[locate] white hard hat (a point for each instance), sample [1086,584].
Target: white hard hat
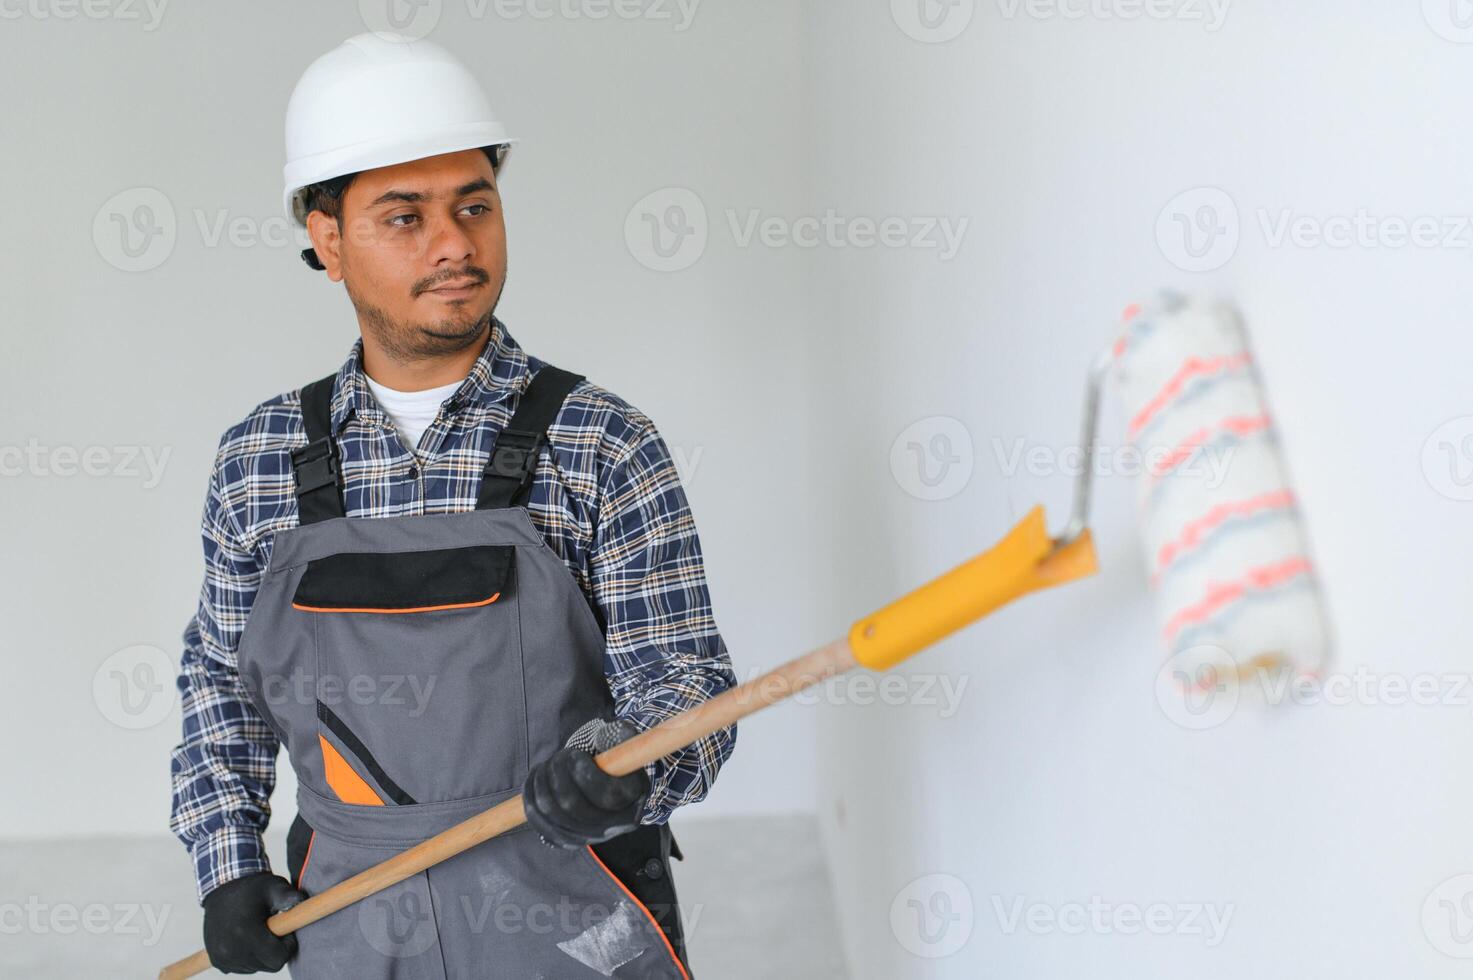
[376,100]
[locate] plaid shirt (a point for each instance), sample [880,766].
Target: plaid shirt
[612,508]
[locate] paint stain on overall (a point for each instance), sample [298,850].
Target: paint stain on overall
[610,944]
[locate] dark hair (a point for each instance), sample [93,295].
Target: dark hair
[327,196]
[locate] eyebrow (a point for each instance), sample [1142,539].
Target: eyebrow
[416,197]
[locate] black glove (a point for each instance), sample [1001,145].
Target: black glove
[236,936]
[571,802]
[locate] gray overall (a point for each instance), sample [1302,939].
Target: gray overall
[414,668]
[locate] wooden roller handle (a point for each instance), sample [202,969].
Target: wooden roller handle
[668,737]
[1024,561]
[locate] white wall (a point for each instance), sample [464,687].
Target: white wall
[1061,779]
[791,372]
[166,359]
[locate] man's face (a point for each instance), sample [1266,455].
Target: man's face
[422,252]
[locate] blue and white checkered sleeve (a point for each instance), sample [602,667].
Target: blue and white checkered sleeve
[663,652]
[224,770]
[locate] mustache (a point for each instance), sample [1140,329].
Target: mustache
[470,272]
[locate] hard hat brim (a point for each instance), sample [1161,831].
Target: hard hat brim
[341,161]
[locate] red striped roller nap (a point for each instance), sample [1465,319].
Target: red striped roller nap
[1227,551]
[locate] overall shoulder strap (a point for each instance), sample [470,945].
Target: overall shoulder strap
[315,465]
[507,480]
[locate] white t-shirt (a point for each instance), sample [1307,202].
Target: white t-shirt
[411,411]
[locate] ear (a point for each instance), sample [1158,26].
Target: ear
[327,242]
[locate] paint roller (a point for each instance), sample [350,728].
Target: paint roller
[1223,536]
[1229,564]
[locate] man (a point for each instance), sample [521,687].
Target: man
[446,574]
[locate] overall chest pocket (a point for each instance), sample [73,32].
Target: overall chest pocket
[419,677]
[405,582]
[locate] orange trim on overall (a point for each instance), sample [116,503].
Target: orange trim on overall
[414,609]
[306,859]
[647,913]
[344,779]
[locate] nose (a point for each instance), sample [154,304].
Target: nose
[448,242]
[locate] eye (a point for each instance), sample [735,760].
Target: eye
[476,209]
[403,220]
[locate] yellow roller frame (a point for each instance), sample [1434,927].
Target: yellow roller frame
[1025,561]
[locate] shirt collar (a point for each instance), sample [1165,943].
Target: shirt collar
[500,371]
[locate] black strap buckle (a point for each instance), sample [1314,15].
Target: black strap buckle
[515,455]
[315,465]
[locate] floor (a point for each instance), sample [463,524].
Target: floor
[754,895]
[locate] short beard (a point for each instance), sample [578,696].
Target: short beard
[407,342]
